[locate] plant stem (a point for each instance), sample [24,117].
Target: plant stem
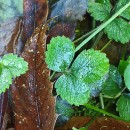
[101,100]
[102,26]
[85,35]
[95,116]
[98,39]
[106,45]
[93,27]
[92,120]
[102,111]
[52,75]
[118,95]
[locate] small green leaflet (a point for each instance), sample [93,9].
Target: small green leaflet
[122,66]
[112,86]
[83,128]
[126,13]
[90,66]
[118,29]
[60,53]
[127,76]
[5,80]
[99,11]
[16,65]
[123,106]
[11,66]
[64,108]
[72,89]
[96,87]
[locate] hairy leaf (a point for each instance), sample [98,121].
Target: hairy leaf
[118,29]
[64,108]
[126,13]
[72,89]
[16,65]
[127,76]
[99,11]
[90,65]
[97,86]
[60,53]
[112,86]
[122,66]
[123,106]
[65,111]
[11,66]
[5,80]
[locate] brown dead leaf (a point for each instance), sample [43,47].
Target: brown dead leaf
[60,29]
[101,123]
[35,13]
[34,105]
[41,11]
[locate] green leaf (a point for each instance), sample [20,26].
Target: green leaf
[16,65]
[1,65]
[5,80]
[96,87]
[11,66]
[90,65]
[126,13]
[112,86]
[99,11]
[119,30]
[127,76]
[123,106]
[64,108]
[72,89]
[83,128]
[60,53]
[122,66]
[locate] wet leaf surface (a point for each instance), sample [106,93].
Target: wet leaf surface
[32,92]
[101,123]
[123,107]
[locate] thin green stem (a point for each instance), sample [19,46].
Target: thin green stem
[93,27]
[118,95]
[102,111]
[101,100]
[106,45]
[52,75]
[95,116]
[102,26]
[92,120]
[98,39]
[85,35]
